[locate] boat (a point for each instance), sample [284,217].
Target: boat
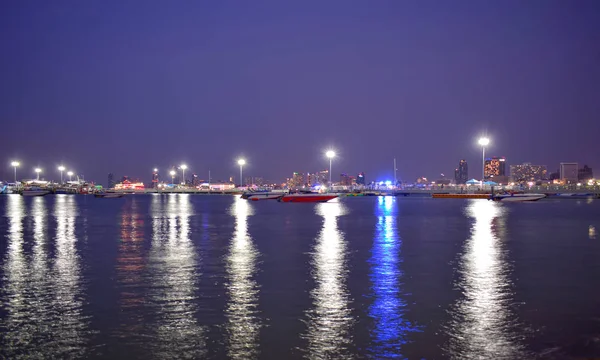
[517,197]
[109,195]
[576,195]
[307,197]
[34,191]
[263,196]
[263,193]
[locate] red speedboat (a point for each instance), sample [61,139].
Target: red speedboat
[310,197]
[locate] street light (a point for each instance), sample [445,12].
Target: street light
[172,176]
[15,164]
[330,154]
[38,171]
[241,163]
[155,170]
[61,169]
[483,142]
[183,167]
[70,173]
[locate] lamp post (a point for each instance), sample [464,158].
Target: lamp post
[70,174]
[483,142]
[61,169]
[330,154]
[38,171]
[241,163]
[15,164]
[183,167]
[172,176]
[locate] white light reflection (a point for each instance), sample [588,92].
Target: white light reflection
[483,322]
[70,323]
[15,335]
[330,320]
[173,279]
[242,321]
[391,329]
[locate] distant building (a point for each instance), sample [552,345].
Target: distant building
[196,181]
[461,173]
[111,180]
[527,172]
[569,172]
[495,166]
[296,181]
[323,177]
[154,179]
[585,173]
[345,180]
[554,176]
[361,179]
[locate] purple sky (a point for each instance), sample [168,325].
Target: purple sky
[124,86]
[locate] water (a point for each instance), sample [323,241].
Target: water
[216,277]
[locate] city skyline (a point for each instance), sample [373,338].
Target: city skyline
[205,84]
[155,174]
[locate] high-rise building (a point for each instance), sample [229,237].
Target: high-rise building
[569,172]
[345,180]
[495,166]
[461,173]
[585,173]
[196,180]
[361,179]
[154,179]
[296,181]
[527,172]
[111,181]
[323,177]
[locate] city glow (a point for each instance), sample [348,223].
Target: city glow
[330,154]
[484,141]
[242,162]
[15,164]
[61,168]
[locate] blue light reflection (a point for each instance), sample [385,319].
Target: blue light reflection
[388,308]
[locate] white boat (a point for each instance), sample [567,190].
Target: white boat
[517,197]
[35,192]
[264,196]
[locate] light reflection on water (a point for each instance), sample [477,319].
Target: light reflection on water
[15,328]
[70,325]
[173,280]
[45,317]
[330,320]
[483,322]
[130,269]
[243,322]
[388,308]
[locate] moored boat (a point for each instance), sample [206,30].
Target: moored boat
[310,197]
[263,196]
[33,191]
[517,197]
[109,195]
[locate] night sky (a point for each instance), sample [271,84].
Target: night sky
[126,86]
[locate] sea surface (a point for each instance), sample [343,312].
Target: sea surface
[217,277]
